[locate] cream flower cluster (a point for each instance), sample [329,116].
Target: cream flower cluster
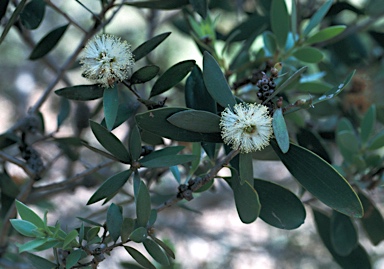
[248,127]
[106,59]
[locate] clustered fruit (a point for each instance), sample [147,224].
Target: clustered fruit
[267,87]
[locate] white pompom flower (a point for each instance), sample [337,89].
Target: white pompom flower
[247,128]
[106,59]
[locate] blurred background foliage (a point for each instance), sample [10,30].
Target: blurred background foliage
[346,130]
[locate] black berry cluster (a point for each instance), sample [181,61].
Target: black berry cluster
[267,87]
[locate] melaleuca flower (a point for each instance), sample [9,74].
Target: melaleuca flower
[106,59]
[247,127]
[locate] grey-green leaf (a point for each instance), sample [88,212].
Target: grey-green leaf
[144,74]
[134,143]
[33,14]
[110,187]
[156,252]
[279,206]
[159,4]
[114,221]
[377,141]
[321,179]
[343,234]
[48,42]
[196,121]
[139,235]
[39,262]
[14,17]
[81,92]
[140,258]
[280,21]
[216,83]
[280,130]
[28,214]
[368,124]
[149,45]
[325,34]
[24,227]
[172,76]
[143,205]
[167,160]
[110,142]
[317,17]
[308,54]
[110,105]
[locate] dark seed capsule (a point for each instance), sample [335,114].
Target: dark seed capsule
[272,84]
[265,87]
[264,81]
[259,94]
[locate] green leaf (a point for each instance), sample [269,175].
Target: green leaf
[216,83]
[280,21]
[110,142]
[357,259]
[140,258]
[325,34]
[149,45]
[280,130]
[156,252]
[65,108]
[377,141]
[39,262]
[134,143]
[24,227]
[312,141]
[155,121]
[247,28]
[31,245]
[27,214]
[71,236]
[279,206]
[81,92]
[294,20]
[114,221]
[144,74]
[372,220]
[110,105]
[343,234]
[321,179]
[314,87]
[160,4]
[143,205]
[172,76]
[124,112]
[270,42]
[167,160]
[246,168]
[48,42]
[139,235]
[167,249]
[246,199]
[110,187]
[200,6]
[89,221]
[348,140]
[73,258]
[92,233]
[196,121]
[317,17]
[308,54]
[12,20]
[368,124]
[33,14]
[152,217]
[196,94]
[127,228]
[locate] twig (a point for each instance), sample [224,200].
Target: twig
[65,15]
[197,183]
[23,165]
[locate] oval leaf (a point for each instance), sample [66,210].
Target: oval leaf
[279,206]
[377,141]
[168,160]
[139,235]
[71,236]
[73,258]
[140,258]
[33,14]
[280,130]
[114,221]
[315,87]
[110,142]
[320,179]
[159,4]
[28,214]
[317,17]
[196,94]
[81,92]
[270,42]
[40,262]
[134,143]
[196,121]
[144,74]
[155,121]
[357,259]
[156,252]
[110,105]
[368,124]
[308,54]
[149,45]
[110,187]
[372,220]
[143,205]
[24,227]
[172,76]
[280,21]
[47,43]
[216,83]
[343,234]
[326,34]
